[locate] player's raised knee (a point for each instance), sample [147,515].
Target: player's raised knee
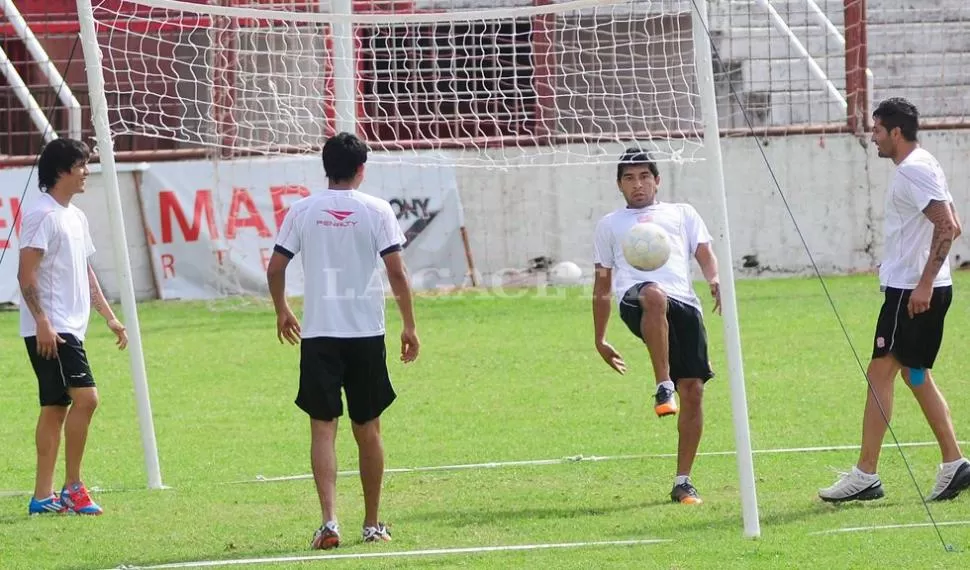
[653,297]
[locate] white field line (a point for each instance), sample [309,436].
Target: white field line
[393,554]
[888,527]
[578,459]
[532,462]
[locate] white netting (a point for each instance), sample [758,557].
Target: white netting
[496,83]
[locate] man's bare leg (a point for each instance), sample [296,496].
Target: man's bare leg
[882,375]
[937,414]
[323,459]
[371,457]
[85,402]
[653,329]
[690,424]
[48,440]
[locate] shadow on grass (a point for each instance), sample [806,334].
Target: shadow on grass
[485,517]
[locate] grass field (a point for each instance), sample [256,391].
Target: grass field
[500,379]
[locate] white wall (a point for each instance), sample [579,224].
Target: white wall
[834,186]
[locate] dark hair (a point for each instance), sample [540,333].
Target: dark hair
[343,155]
[634,156]
[59,156]
[898,112]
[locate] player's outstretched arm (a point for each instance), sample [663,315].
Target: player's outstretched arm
[708,261]
[397,276]
[287,325]
[601,317]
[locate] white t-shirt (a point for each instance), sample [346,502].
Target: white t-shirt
[62,278]
[340,235]
[918,179]
[686,230]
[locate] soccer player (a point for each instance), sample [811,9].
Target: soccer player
[58,287]
[920,225]
[660,307]
[342,235]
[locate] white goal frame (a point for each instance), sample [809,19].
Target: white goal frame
[344,83]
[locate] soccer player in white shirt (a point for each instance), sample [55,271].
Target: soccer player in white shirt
[58,287]
[660,306]
[920,225]
[342,235]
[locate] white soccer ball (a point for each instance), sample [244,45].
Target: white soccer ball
[565,273]
[646,246]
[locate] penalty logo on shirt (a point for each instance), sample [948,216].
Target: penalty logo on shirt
[339,219]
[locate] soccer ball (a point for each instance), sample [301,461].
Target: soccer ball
[565,273]
[646,246]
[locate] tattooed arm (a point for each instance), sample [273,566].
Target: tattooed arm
[98,302]
[956,220]
[101,305]
[30,259]
[945,230]
[47,337]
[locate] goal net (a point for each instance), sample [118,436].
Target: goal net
[461,82]
[435,87]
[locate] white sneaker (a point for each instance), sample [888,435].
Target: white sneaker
[951,479]
[853,486]
[378,533]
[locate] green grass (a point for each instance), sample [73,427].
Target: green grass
[499,379]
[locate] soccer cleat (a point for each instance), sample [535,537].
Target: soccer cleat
[853,486]
[326,537]
[950,482]
[377,533]
[77,500]
[685,494]
[665,402]
[51,504]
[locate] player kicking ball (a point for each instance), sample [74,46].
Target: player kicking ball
[660,307]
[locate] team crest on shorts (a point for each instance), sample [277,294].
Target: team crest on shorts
[880,342]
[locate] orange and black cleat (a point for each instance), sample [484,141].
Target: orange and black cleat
[665,402]
[685,494]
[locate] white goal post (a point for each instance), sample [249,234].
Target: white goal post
[465,83]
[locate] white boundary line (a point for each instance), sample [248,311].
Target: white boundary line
[887,527]
[578,459]
[394,554]
[530,462]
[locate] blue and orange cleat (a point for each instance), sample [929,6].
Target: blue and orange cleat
[50,505]
[77,500]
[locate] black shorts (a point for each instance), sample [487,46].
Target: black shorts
[69,370]
[358,365]
[687,337]
[914,342]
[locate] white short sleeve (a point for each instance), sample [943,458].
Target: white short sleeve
[924,183]
[603,251]
[389,236]
[288,241]
[38,228]
[695,227]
